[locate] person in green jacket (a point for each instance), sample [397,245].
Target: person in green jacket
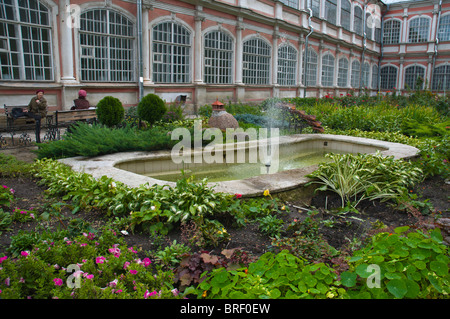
[37,109]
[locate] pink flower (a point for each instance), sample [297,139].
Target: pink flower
[24,253]
[3,258]
[89,276]
[132,250]
[115,251]
[147,262]
[100,260]
[58,281]
[126,264]
[238,195]
[133,272]
[149,294]
[118,291]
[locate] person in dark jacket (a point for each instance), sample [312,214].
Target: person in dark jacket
[81,103]
[37,109]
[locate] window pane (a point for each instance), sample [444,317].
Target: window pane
[388,77]
[346,9]
[256,62]
[343,72]
[218,58]
[171,53]
[412,73]
[355,74]
[418,30]
[287,65]
[444,28]
[327,70]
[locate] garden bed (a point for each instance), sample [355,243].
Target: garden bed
[343,230]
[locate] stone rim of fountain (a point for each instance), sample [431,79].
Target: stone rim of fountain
[278,182]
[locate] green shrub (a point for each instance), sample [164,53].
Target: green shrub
[110,111]
[151,108]
[355,177]
[407,264]
[95,140]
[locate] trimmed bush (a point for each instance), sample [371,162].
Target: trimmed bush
[110,111]
[151,108]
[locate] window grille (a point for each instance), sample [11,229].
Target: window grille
[107,47]
[343,72]
[287,65]
[388,77]
[346,13]
[311,75]
[256,62]
[365,75]
[291,3]
[391,32]
[330,11]
[171,53]
[218,58]
[418,30]
[444,28]
[358,21]
[327,70]
[25,41]
[412,73]
[375,77]
[355,74]
[314,5]
[441,78]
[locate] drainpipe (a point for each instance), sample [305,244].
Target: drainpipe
[381,48]
[305,68]
[363,55]
[436,47]
[140,52]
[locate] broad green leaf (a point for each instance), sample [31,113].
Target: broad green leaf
[348,279]
[397,287]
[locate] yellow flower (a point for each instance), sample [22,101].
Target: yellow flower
[266,192]
[283,207]
[204,294]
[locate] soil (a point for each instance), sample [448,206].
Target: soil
[343,229]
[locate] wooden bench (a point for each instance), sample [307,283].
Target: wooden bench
[12,125]
[68,118]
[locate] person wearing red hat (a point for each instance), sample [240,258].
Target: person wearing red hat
[37,109]
[81,103]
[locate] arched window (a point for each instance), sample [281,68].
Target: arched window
[355,74]
[444,28]
[375,77]
[218,58]
[287,65]
[311,73]
[107,47]
[441,78]
[418,30]
[327,70]
[346,14]
[412,73]
[25,41]
[388,77]
[358,21]
[331,10]
[171,53]
[343,72]
[256,59]
[391,32]
[365,75]
[291,3]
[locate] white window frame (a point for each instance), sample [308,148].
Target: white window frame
[331,11]
[26,34]
[343,72]
[171,48]
[256,56]
[218,57]
[412,72]
[422,26]
[328,70]
[346,14]
[313,63]
[444,28]
[287,65]
[388,75]
[441,78]
[391,31]
[109,35]
[355,83]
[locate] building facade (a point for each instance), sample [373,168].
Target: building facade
[234,50]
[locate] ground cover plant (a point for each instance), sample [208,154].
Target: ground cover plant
[67,235]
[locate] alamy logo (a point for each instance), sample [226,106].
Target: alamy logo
[73,13]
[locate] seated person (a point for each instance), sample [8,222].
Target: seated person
[81,103]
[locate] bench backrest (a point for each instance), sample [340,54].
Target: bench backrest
[8,108]
[75,115]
